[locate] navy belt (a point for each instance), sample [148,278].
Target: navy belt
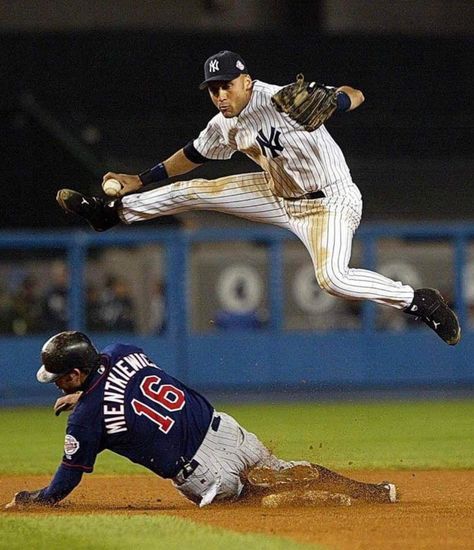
[216,422]
[314,195]
[190,466]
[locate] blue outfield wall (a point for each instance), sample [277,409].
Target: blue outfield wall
[266,359]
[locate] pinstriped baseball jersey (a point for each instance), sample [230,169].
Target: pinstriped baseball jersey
[305,186]
[224,455]
[297,161]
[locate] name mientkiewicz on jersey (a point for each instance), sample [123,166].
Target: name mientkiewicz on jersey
[114,390]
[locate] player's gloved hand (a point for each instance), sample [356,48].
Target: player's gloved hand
[307,103]
[66,402]
[130,183]
[25,498]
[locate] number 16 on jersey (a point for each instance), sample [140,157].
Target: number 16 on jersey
[166,396]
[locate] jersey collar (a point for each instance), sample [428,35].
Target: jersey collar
[94,377]
[250,105]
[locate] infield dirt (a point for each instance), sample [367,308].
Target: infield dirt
[435,510]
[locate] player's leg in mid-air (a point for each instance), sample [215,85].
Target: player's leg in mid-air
[243,195]
[327,229]
[325,226]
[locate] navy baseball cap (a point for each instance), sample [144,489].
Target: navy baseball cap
[224,65]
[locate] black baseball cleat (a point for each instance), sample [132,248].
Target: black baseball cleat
[100,214]
[430,307]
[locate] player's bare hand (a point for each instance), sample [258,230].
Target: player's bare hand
[66,403]
[130,183]
[22,499]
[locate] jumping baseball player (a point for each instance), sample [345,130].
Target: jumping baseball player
[131,406]
[305,184]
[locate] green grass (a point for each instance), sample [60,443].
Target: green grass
[373,435]
[392,435]
[138,531]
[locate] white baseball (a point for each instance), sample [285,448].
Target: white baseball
[112,187]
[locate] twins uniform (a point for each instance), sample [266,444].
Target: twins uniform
[135,409]
[305,186]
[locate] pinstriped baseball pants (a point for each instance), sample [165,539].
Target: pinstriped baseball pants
[325,226]
[222,457]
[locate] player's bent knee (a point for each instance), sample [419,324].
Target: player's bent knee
[332,284]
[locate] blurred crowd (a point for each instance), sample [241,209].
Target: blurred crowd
[33,307]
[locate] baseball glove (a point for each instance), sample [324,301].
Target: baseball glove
[307,103]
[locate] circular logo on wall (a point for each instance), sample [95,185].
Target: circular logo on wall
[239,288]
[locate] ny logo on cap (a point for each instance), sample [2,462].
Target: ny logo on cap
[214,66]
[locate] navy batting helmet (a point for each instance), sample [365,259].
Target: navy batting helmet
[64,352]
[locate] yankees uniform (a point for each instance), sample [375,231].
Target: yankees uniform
[305,186]
[135,409]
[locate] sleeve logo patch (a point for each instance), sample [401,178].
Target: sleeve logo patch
[71,445]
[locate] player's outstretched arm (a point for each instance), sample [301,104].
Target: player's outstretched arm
[355,96]
[24,498]
[179,164]
[64,481]
[175,165]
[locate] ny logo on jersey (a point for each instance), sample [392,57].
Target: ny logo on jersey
[214,66]
[271,143]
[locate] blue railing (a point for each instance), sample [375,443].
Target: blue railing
[271,357]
